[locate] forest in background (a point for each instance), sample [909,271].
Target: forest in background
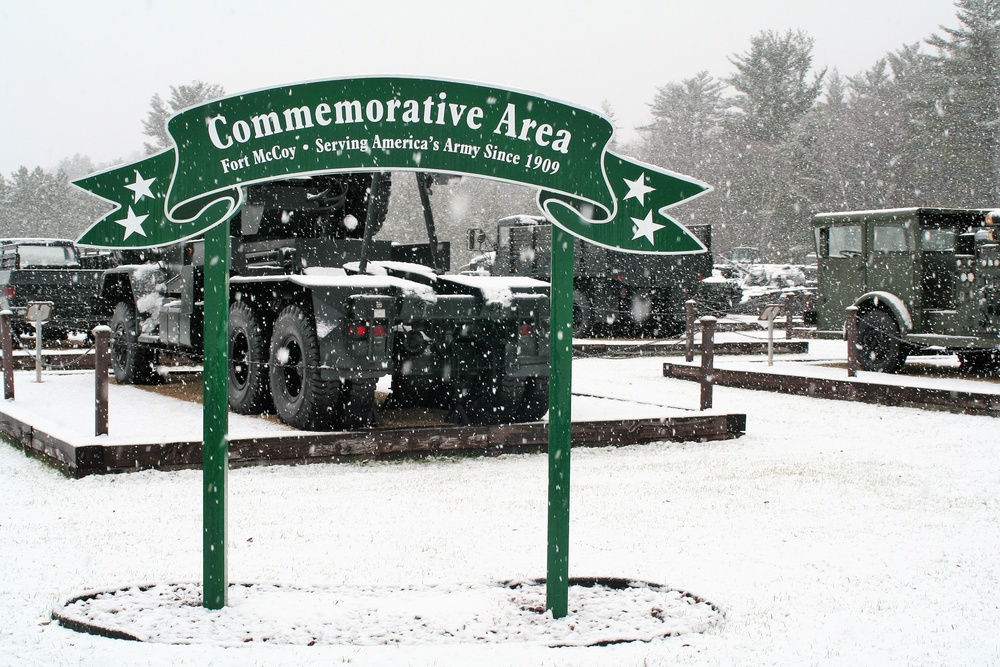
[778,138]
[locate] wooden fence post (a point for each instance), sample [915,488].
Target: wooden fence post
[851,332]
[707,361]
[6,334]
[102,362]
[689,330]
[789,310]
[810,301]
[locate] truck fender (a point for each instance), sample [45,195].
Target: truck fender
[113,287]
[890,302]
[138,284]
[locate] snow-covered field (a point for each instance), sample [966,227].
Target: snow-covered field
[832,533]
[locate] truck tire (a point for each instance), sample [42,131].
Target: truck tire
[249,350]
[641,318]
[302,397]
[583,318]
[880,347]
[492,400]
[535,402]
[131,362]
[979,362]
[357,404]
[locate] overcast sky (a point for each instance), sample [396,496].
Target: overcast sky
[77,77]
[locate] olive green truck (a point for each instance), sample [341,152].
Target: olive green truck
[924,281]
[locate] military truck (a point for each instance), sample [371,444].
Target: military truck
[924,280]
[321,310]
[37,269]
[613,292]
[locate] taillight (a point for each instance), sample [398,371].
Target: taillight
[526,329]
[361,330]
[10,292]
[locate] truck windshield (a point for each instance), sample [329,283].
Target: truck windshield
[890,238]
[936,239]
[842,241]
[46,255]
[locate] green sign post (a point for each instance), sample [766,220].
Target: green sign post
[215,415]
[381,124]
[560,423]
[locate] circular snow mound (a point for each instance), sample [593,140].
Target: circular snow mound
[601,611]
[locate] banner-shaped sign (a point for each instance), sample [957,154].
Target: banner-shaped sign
[386,124]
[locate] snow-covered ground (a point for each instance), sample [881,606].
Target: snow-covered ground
[832,533]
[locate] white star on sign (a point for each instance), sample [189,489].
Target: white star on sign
[638,188]
[140,188]
[646,227]
[132,223]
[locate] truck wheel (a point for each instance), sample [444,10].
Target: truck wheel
[249,385]
[880,347]
[132,363]
[405,393]
[302,398]
[979,362]
[583,324]
[494,400]
[535,403]
[641,314]
[357,404]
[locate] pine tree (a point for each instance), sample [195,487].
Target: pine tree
[775,90]
[181,97]
[687,124]
[962,119]
[774,84]
[879,133]
[35,203]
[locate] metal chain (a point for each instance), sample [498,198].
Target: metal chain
[73,362]
[629,400]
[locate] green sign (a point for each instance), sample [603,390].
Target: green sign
[383,124]
[386,124]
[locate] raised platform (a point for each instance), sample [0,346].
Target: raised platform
[848,389]
[300,448]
